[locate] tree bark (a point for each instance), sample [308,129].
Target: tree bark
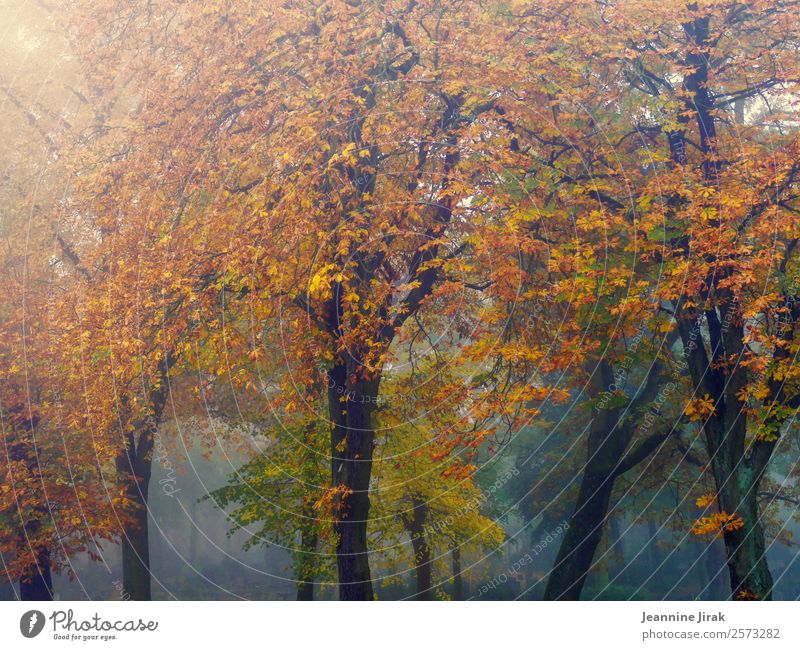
[737,473]
[135,465]
[351,402]
[607,458]
[415,525]
[37,583]
[615,544]
[135,535]
[422,566]
[746,551]
[305,590]
[136,556]
[652,545]
[308,549]
[580,542]
[458,578]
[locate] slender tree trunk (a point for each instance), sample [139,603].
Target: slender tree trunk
[615,545]
[422,562]
[193,533]
[37,583]
[308,549]
[458,578]
[652,546]
[608,457]
[415,525]
[351,401]
[305,590]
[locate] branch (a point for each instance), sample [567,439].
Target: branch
[779,497]
[641,451]
[72,256]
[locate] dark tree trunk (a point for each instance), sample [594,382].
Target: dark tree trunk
[736,474]
[737,470]
[746,550]
[135,465]
[193,526]
[422,565]
[308,549]
[7,591]
[458,578]
[351,401]
[606,446]
[652,546]
[580,542]
[615,545]
[135,536]
[415,525]
[608,457]
[305,590]
[37,582]
[352,388]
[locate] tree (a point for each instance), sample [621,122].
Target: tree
[278,499]
[52,503]
[423,477]
[718,186]
[337,185]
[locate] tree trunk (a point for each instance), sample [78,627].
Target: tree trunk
[615,545]
[135,465]
[736,470]
[308,549]
[135,545]
[351,402]
[610,434]
[37,582]
[737,474]
[606,447]
[305,590]
[355,581]
[746,551]
[7,591]
[580,542]
[652,546]
[415,525]
[458,579]
[422,565]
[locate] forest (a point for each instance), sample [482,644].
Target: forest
[399,300]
